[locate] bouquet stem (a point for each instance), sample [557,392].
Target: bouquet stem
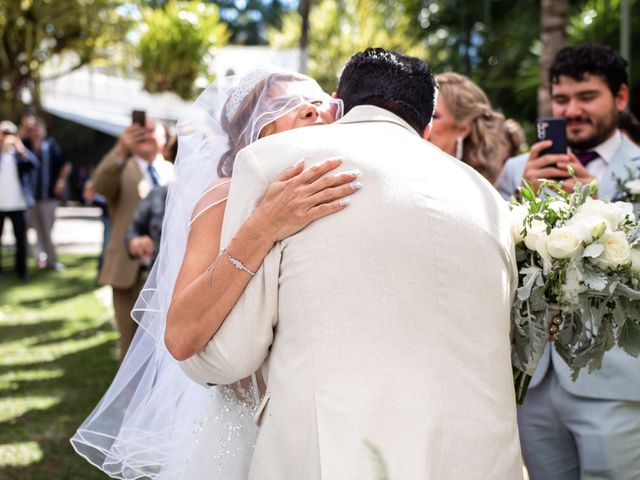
[521,382]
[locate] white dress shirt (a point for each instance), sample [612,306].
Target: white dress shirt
[606,150]
[159,163]
[11,195]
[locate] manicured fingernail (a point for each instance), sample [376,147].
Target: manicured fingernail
[355,185]
[336,159]
[344,201]
[298,163]
[354,173]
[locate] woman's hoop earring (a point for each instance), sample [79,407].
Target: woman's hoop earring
[459,147]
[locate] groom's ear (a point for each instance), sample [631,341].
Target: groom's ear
[426,132]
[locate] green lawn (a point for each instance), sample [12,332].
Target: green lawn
[57,356]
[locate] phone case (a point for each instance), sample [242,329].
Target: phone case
[553,129]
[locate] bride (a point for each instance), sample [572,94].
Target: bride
[153,422]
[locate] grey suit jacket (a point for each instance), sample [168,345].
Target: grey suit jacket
[384,328]
[619,377]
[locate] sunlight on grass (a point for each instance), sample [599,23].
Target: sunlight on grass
[20,454]
[12,408]
[57,356]
[11,380]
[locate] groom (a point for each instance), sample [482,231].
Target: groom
[382,331]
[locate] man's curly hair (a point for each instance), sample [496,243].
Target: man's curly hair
[576,62]
[401,84]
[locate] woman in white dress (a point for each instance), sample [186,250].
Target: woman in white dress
[153,422]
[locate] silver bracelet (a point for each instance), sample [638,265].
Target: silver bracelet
[237,263]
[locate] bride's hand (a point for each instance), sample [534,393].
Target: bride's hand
[298,197]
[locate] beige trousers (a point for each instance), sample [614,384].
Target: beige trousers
[41,218]
[123,301]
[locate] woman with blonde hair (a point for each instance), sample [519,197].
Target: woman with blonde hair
[466,126]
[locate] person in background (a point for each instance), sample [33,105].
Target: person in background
[466,127]
[515,141]
[16,165]
[143,237]
[629,126]
[49,182]
[589,428]
[125,176]
[92,198]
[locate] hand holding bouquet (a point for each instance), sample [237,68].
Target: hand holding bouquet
[579,270]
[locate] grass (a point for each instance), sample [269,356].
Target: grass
[57,357]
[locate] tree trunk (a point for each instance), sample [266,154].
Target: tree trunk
[304,8]
[553,23]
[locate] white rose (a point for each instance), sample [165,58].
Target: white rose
[518,216]
[614,213]
[589,225]
[537,230]
[573,285]
[616,250]
[633,186]
[564,242]
[635,260]
[541,248]
[559,206]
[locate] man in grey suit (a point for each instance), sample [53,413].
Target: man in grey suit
[590,428]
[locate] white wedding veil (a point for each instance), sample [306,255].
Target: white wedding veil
[143,423]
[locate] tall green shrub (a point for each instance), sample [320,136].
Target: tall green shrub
[176,44]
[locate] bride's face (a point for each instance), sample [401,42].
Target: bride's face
[307,114]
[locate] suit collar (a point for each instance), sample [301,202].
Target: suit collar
[627,154]
[371,113]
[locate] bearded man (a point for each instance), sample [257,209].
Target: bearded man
[589,428]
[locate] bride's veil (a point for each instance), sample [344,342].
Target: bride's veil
[142,425]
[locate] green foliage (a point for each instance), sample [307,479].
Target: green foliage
[57,356]
[32,31]
[340,29]
[249,20]
[176,41]
[598,21]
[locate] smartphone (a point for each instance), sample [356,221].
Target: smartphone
[554,129]
[139,117]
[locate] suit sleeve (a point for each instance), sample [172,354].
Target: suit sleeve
[242,343]
[141,219]
[106,179]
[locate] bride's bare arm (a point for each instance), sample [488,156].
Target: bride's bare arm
[203,296]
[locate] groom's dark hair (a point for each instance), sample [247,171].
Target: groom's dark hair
[401,84]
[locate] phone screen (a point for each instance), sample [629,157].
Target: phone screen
[139,117]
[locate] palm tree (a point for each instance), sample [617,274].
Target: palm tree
[303,9]
[553,22]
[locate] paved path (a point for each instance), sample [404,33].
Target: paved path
[76,230]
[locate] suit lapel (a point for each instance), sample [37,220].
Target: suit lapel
[627,155]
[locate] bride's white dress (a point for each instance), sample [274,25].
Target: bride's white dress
[221,443]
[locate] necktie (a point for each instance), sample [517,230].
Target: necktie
[586,157]
[153,173]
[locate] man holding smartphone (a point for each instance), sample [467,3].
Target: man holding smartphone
[125,176]
[591,427]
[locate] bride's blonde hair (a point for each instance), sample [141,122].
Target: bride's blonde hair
[468,103]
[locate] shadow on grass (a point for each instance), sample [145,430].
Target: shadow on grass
[77,380]
[87,373]
[10,333]
[49,286]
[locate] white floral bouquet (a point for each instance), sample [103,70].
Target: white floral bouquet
[579,278]
[628,187]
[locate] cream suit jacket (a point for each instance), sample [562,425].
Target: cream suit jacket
[384,328]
